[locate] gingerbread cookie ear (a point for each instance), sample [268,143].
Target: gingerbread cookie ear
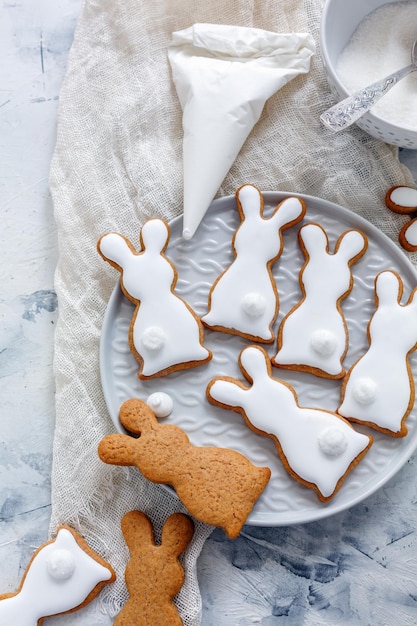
[401,199]
[137,530]
[117,449]
[177,534]
[136,416]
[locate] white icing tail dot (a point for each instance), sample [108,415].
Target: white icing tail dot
[153,338]
[365,391]
[323,342]
[60,564]
[332,442]
[253,304]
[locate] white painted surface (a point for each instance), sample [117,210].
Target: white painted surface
[356,568]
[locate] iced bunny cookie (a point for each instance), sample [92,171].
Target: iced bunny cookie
[403,200]
[313,336]
[244,299]
[379,388]
[153,574]
[318,448]
[218,486]
[165,334]
[63,575]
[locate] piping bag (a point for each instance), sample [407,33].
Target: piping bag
[223,76]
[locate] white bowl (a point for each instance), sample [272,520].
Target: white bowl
[340,18]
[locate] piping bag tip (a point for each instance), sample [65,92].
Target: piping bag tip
[191,222]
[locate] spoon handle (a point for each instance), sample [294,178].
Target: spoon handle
[346,112]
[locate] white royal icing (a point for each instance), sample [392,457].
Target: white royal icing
[153,338]
[314,333]
[54,583]
[393,335]
[254,304]
[166,333]
[161,403]
[404,196]
[270,405]
[257,243]
[333,441]
[365,390]
[61,564]
[324,342]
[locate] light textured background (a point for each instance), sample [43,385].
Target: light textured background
[357,568]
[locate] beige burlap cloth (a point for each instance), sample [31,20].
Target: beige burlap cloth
[118,162]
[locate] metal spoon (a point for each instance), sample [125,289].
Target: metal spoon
[347,111]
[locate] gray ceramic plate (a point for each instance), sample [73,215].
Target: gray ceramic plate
[199,262]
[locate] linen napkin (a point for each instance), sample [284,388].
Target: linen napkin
[117,163]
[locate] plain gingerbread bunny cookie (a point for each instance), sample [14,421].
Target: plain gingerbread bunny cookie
[313,336]
[217,486]
[244,299]
[153,574]
[165,334]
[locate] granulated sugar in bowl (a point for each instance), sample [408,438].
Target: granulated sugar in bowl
[361,43]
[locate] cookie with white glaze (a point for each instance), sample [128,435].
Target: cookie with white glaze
[318,448]
[313,336]
[165,334]
[244,299]
[63,575]
[379,388]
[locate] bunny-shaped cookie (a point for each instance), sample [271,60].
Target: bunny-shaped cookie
[317,447]
[403,200]
[165,334]
[218,486]
[313,335]
[379,388]
[153,574]
[63,575]
[244,298]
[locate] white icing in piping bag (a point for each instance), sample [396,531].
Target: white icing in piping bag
[223,76]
